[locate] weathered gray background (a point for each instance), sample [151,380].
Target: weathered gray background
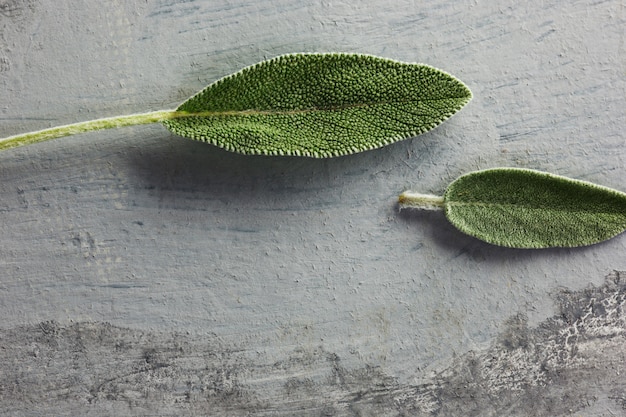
[143,273]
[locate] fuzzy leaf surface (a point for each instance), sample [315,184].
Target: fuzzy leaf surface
[320,105]
[524,208]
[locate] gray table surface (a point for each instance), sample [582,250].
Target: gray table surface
[147,274]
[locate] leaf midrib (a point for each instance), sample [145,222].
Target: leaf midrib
[530,208]
[258,112]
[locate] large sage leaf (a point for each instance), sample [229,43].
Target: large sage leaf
[524,208]
[317,105]
[320,105]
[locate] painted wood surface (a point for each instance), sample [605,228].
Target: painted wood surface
[146,274]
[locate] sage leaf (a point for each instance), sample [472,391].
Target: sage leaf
[320,105]
[523,208]
[314,105]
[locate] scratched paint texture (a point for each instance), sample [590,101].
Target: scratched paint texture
[142,273]
[88,368]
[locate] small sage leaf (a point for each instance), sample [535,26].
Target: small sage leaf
[320,105]
[522,208]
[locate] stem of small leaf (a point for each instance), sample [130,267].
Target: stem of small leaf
[81,127]
[409,199]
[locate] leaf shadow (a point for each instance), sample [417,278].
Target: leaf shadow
[444,235]
[172,167]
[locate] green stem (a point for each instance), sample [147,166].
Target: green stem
[409,199]
[98,124]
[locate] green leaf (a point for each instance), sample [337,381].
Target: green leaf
[317,105]
[522,208]
[320,105]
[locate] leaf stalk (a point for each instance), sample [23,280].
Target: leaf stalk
[410,199]
[88,126]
